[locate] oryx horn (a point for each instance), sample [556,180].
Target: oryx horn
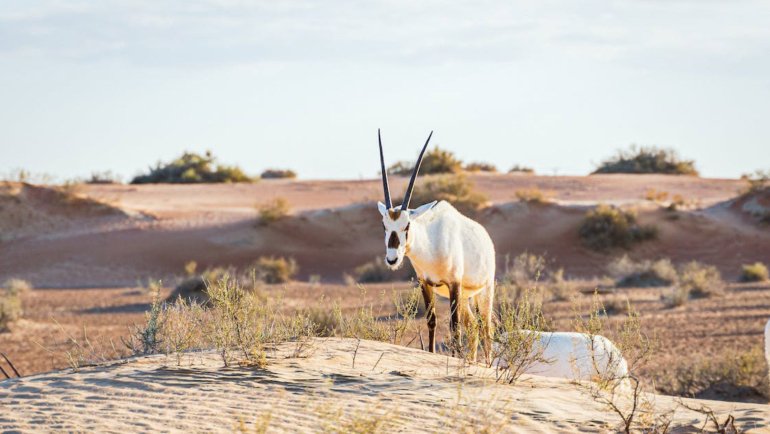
[384,174]
[410,187]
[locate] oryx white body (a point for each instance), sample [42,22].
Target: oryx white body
[452,255]
[574,356]
[445,246]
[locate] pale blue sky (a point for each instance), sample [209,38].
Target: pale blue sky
[556,85]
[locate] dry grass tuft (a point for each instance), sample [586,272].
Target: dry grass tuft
[275,269]
[480,167]
[10,301]
[532,195]
[756,272]
[646,273]
[376,271]
[273,211]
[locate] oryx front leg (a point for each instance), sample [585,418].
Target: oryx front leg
[454,321]
[430,314]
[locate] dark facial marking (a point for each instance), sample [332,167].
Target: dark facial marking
[393,240]
[394,214]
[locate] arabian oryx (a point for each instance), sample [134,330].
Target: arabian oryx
[452,255]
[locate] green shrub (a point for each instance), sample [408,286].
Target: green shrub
[629,273]
[192,168]
[275,269]
[273,211]
[455,189]
[606,227]
[480,167]
[756,272]
[435,161]
[278,174]
[522,169]
[648,160]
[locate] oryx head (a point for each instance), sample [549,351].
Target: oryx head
[395,220]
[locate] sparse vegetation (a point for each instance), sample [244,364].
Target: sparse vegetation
[607,227]
[727,376]
[480,167]
[376,271]
[192,168]
[648,160]
[106,177]
[756,272]
[436,161]
[278,174]
[455,189]
[646,273]
[700,280]
[522,169]
[757,181]
[273,211]
[275,269]
[532,195]
[517,337]
[10,301]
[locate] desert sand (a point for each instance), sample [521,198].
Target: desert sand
[392,388]
[89,254]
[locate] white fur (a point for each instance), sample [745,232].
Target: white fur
[444,246]
[446,249]
[575,356]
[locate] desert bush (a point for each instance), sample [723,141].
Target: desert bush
[240,320]
[407,306]
[192,168]
[193,288]
[455,189]
[559,287]
[732,376]
[606,227]
[106,177]
[145,339]
[675,296]
[480,167]
[272,211]
[275,269]
[376,271]
[700,280]
[278,174]
[182,328]
[756,272]
[531,195]
[435,161]
[757,181]
[362,324]
[522,169]
[10,301]
[648,160]
[655,195]
[517,337]
[646,273]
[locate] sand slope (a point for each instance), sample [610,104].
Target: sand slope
[390,387]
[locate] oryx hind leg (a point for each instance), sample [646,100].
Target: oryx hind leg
[485,306]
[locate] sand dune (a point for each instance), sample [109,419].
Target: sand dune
[335,227]
[390,387]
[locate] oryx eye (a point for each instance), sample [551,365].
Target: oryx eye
[407,227]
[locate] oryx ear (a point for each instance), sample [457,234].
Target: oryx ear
[415,213]
[383,209]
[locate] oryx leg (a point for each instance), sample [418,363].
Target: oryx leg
[430,314]
[455,300]
[471,329]
[485,306]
